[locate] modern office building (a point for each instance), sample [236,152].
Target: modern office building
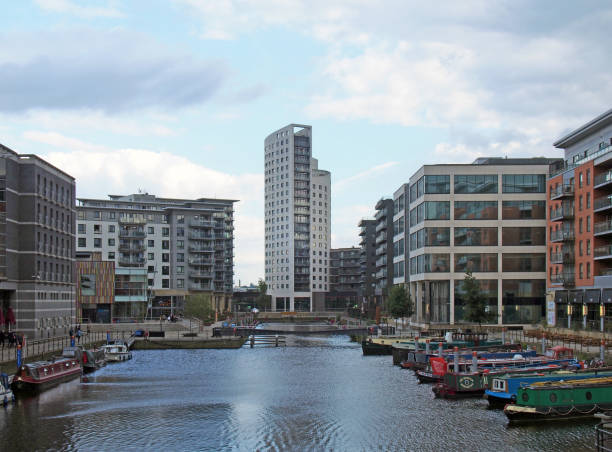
[37,221]
[297,221]
[367,264]
[384,250]
[580,228]
[488,217]
[344,278]
[186,246]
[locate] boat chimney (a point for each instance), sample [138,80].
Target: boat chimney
[427,346]
[474,362]
[440,349]
[456,359]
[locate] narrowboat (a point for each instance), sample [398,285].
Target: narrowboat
[419,360]
[553,400]
[116,352]
[91,360]
[41,375]
[503,388]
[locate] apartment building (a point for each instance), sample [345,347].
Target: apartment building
[37,241]
[401,272]
[384,250]
[186,246]
[297,221]
[580,228]
[344,278]
[367,263]
[488,217]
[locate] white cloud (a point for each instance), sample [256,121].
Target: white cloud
[345,232]
[99,170]
[66,6]
[374,171]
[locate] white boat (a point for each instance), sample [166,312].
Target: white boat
[116,352]
[6,395]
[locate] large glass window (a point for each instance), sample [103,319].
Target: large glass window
[413,193]
[476,183]
[436,263]
[523,210]
[524,183]
[437,184]
[475,210]
[486,262]
[524,262]
[523,300]
[437,210]
[436,236]
[488,288]
[475,236]
[517,236]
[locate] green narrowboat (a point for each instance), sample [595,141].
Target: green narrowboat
[550,400]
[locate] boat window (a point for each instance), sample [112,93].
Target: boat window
[588,395]
[553,397]
[525,397]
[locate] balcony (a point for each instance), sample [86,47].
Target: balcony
[201,223]
[602,204]
[564,257]
[127,220]
[131,262]
[562,213]
[207,287]
[602,252]
[201,249]
[565,279]
[381,237]
[601,180]
[132,234]
[562,236]
[602,228]
[132,248]
[200,275]
[381,226]
[196,262]
[195,236]
[562,191]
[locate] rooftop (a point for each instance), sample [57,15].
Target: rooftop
[601,121]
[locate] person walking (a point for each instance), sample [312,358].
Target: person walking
[78,334]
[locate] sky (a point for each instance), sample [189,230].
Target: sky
[175,97]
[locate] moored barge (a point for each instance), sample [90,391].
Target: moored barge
[41,375]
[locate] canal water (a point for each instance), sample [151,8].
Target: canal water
[318,393]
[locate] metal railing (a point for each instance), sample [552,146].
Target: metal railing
[562,190]
[602,226]
[602,251]
[604,202]
[561,235]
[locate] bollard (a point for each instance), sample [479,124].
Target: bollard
[440,350]
[602,350]
[18,356]
[503,335]
[474,362]
[276,340]
[456,359]
[427,346]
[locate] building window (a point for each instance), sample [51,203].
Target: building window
[97,242]
[82,242]
[150,230]
[477,183]
[180,283]
[437,184]
[180,232]
[150,269]
[588,247]
[165,283]
[180,270]
[588,223]
[588,268]
[524,262]
[588,201]
[588,177]
[111,242]
[165,232]
[580,248]
[433,210]
[475,210]
[486,262]
[524,183]
[476,236]
[111,215]
[580,272]
[180,257]
[96,214]
[165,244]
[151,256]
[524,210]
[97,229]
[111,228]
[518,236]
[165,270]
[81,228]
[580,225]
[165,257]
[111,256]
[180,244]
[580,203]
[149,282]
[580,186]
[150,243]
[180,219]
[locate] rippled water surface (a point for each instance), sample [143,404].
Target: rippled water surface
[315,394]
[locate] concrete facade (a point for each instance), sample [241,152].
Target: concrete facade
[297,221]
[185,246]
[367,262]
[384,250]
[345,276]
[37,243]
[487,217]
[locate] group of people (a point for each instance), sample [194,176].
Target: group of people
[78,334]
[10,336]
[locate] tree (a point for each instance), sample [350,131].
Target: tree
[399,303]
[200,307]
[264,301]
[475,302]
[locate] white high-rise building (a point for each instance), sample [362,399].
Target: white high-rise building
[298,221]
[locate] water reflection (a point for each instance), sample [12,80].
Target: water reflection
[316,394]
